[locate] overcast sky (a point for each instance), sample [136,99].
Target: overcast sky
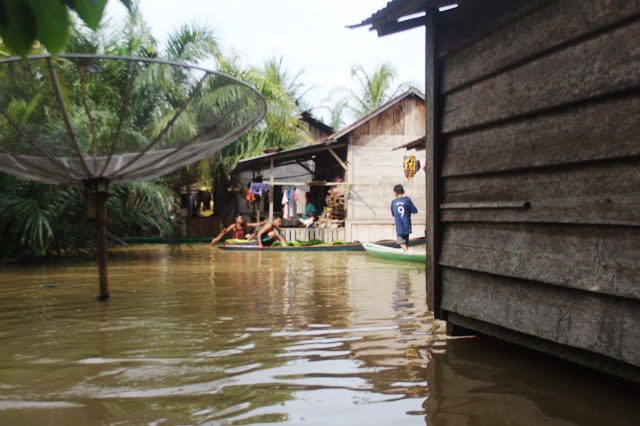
[309,35]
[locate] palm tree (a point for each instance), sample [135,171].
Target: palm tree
[371,91]
[281,127]
[37,219]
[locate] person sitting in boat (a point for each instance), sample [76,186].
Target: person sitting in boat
[309,216]
[270,233]
[239,228]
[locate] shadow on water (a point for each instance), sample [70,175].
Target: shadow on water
[212,338]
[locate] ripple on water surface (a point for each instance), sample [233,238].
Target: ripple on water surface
[214,337]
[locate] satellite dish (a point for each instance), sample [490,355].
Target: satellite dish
[96,120]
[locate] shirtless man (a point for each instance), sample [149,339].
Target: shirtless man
[269,233]
[239,229]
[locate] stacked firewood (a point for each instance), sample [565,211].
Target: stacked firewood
[335,206]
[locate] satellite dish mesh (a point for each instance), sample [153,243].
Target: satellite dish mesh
[79,118]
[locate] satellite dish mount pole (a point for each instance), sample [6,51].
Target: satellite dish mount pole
[97,191]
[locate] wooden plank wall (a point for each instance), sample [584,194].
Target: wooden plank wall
[203,226]
[375,168]
[317,134]
[540,208]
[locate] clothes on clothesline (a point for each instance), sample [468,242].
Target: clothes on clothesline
[258,188]
[291,196]
[285,205]
[301,198]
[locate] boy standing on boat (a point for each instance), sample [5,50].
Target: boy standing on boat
[402,208]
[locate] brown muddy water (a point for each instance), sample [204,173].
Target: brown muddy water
[211,337]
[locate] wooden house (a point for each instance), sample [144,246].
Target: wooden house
[533,173]
[360,162]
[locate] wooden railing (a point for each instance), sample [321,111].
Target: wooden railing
[327,235]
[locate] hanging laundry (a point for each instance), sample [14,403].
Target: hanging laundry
[301,201]
[249,197]
[285,205]
[292,203]
[258,188]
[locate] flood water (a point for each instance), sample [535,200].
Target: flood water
[210,337]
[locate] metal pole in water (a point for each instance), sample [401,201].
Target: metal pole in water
[103,243]
[97,210]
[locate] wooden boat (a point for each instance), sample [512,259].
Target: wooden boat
[391,253]
[239,245]
[161,240]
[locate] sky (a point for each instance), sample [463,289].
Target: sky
[309,35]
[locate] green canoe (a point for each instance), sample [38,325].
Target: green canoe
[412,255]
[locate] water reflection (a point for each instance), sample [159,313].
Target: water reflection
[213,337]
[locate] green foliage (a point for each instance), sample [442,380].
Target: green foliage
[142,208]
[311,242]
[281,127]
[371,91]
[22,22]
[38,220]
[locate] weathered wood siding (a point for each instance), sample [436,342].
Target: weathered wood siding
[540,204]
[375,168]
[317,133]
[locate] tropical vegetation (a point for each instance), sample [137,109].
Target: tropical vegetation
[22,23]
[38,220]
[281,127]
[371,90]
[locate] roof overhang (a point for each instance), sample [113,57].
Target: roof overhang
[418,144]
[289,156]
[401,15]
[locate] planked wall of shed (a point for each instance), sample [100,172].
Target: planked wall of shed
[541,110]
[375,168]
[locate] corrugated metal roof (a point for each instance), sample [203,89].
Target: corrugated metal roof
[396,10]
[285,156]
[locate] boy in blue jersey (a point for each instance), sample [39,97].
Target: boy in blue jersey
[402,208]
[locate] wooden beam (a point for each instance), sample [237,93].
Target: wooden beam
[304,166]
[338,159]
[432,145]
[487,205]
[396,27]
[271,192]
[320,183]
